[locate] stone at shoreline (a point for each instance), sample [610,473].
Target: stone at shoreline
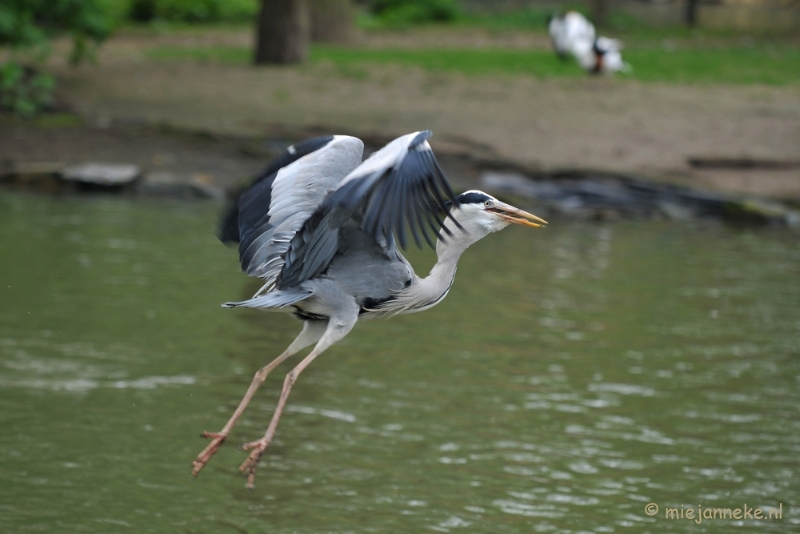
[169,184]
[595,195]
[35,176]
[55,177]
[102,174]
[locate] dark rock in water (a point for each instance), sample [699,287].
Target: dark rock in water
[101,174]
[760,211]
[595,195]
[37,176]
[743,162]
[106,177]
[168,184]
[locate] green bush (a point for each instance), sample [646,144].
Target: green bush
[532,18]
[193,10]
[401,13]
[26,27]
[26,24]
[23,90]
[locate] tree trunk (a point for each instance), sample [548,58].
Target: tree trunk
[282,32]
[691,13]
[600,12]
[332,21]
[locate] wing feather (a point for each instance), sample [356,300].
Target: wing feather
[396,189]
[275,206]
[240,214]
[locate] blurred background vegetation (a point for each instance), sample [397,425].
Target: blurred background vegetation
[732,41]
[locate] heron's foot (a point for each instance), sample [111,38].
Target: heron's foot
[217,439]
[248,468]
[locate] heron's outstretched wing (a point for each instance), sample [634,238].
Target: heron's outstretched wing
[259,191]
[397,188]
[269,212]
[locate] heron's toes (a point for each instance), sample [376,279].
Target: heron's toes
[248,467]
[217,439]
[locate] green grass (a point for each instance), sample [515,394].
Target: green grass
[618,24]
[753,64]
[535,18]
[773,65]
[765,64]
[539,63]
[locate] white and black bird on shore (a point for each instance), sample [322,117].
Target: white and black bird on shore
[322,229]
[573,35]
[604,58]
[570,32]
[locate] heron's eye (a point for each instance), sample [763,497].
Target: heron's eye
[488,204]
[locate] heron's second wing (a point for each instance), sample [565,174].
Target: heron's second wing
[397,189]
[276,205]
[258,193]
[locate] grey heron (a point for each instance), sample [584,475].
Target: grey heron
[322,229]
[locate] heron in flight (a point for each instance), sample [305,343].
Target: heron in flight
[322,229]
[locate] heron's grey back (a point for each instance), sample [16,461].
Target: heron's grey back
[365,269]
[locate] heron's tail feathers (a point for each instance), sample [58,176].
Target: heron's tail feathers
[273,300]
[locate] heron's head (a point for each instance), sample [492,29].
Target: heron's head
[481,214]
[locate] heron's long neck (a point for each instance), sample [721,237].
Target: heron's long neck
[429,291]
[445,269]
[438,282]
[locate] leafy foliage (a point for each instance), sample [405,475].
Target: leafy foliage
[23,90]
[403,13]
[25,27]
[531,18]
[192,10]
[30,23]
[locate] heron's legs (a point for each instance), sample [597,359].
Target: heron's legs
[337,329]
[311,333]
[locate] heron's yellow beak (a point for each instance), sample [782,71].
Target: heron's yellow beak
[514,215]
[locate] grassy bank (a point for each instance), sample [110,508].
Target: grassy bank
[750,63]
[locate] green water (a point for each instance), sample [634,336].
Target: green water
[572,376]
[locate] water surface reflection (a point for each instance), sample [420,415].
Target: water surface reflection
[573,375]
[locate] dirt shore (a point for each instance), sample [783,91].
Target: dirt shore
[617,125]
